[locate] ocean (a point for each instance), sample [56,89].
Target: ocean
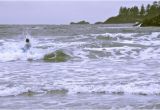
[114,66]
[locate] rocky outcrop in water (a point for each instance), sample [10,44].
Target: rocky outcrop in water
[99,22]
[80,22]
[57,56]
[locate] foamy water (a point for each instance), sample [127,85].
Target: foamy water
[108,69]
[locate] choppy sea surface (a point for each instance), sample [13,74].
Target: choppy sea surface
[111,67]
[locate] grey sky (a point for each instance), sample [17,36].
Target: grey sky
[60,12]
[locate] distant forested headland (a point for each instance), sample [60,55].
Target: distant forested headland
[146,15]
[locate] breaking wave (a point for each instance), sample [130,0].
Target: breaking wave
[108,46]
[77,89]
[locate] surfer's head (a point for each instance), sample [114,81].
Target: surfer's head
[27,40]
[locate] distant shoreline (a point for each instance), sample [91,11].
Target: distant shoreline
[145,16]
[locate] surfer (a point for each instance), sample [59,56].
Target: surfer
[27,45]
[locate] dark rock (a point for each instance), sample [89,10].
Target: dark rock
[80,22]
[99,22]
[57,56]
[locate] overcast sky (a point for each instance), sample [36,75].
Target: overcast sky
[62,11]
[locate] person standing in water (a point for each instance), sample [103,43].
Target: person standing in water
[27,45]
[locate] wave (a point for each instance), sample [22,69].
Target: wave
[108,46]
[12,50]
[84,89]
[27,91]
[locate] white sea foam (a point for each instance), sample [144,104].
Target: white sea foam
[131,89]
[11,51]
[109,70]
[127,44]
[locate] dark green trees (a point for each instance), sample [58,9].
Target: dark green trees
[153,10]
[155,21]
[149,10]
[135,14]
[124,11]
[142,11]
[152,17]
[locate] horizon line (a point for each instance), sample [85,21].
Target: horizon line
[73,0]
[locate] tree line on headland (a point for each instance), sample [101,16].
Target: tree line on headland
[145,15]
[149,15]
